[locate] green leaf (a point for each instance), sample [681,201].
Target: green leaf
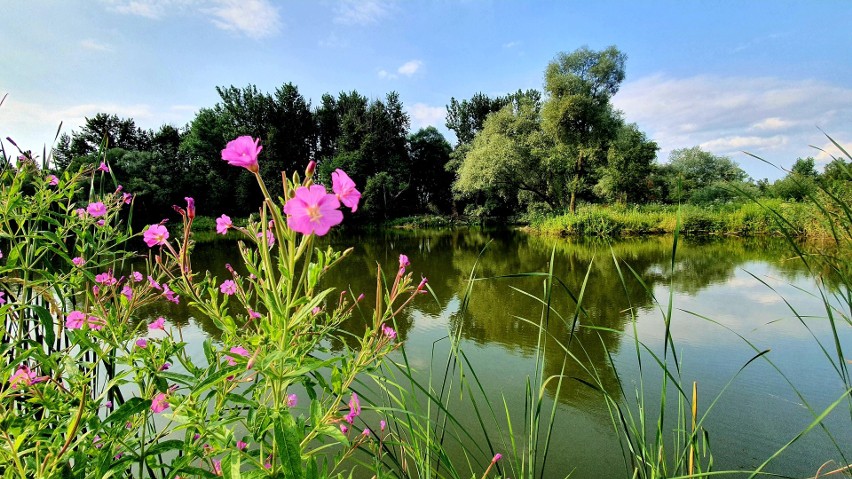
[165,446]
[184,379]
[211,380]
[336,381]
[231,466]
[130,407]
[287,443]
[46,322]
[316,413]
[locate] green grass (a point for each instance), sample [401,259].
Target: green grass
[803,220]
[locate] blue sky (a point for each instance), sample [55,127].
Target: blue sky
[756,76]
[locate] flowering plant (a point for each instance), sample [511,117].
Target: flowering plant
[120,392]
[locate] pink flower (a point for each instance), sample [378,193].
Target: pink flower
[165,366]
[223,223]
[127,292]
[253,314]
[388,332]
[190,207]
[142,343]
[403,261]
[292,400]
[497,457]
[101,222]
[217,467]
[2,299]
[155,234]
[154,284]
[78,320]
[24,376]
[236,350]
[159,323]
[170,295]
[78,261]
[243,152]
[270,238]
[366,431]
[96,209]
[106,279]
[103,167]
[354,408]
[382,425]
[160,403]
[81,212]
[96,441]
[228,287]
[137,276]
[95,323]
[241,446]
[126,198]
[344,429]
[312,211]
[344,188]
[52,180]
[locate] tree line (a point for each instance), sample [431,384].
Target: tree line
[400,173]
[527,151]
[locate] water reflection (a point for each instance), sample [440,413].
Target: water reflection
[506,311]
[500,324]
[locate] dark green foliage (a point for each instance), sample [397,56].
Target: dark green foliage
[429,153]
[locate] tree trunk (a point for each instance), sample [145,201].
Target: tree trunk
[573,204]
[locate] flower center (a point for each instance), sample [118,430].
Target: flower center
[314,213]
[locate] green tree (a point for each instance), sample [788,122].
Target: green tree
[698,176]
[429,153]
[467,117]
[580,85]
[799,183]
[513,162]
[627,176]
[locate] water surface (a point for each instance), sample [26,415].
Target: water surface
[738,286]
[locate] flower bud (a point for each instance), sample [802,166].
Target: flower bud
[309,171]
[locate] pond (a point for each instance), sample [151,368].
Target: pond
[720,290]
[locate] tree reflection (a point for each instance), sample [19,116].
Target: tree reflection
[501,311]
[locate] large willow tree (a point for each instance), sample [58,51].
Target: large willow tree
[513,160]
[580,85]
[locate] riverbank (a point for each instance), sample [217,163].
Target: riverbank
[754,219]
[801,220]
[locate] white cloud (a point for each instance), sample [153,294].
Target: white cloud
[409,68]
[253,18]
[772,124]
[143,9]
[154,9]
[360,12]
[385,74]
[423,115]
[747,143]
[33,125]
[773,118]
[91,44]
[511,44]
